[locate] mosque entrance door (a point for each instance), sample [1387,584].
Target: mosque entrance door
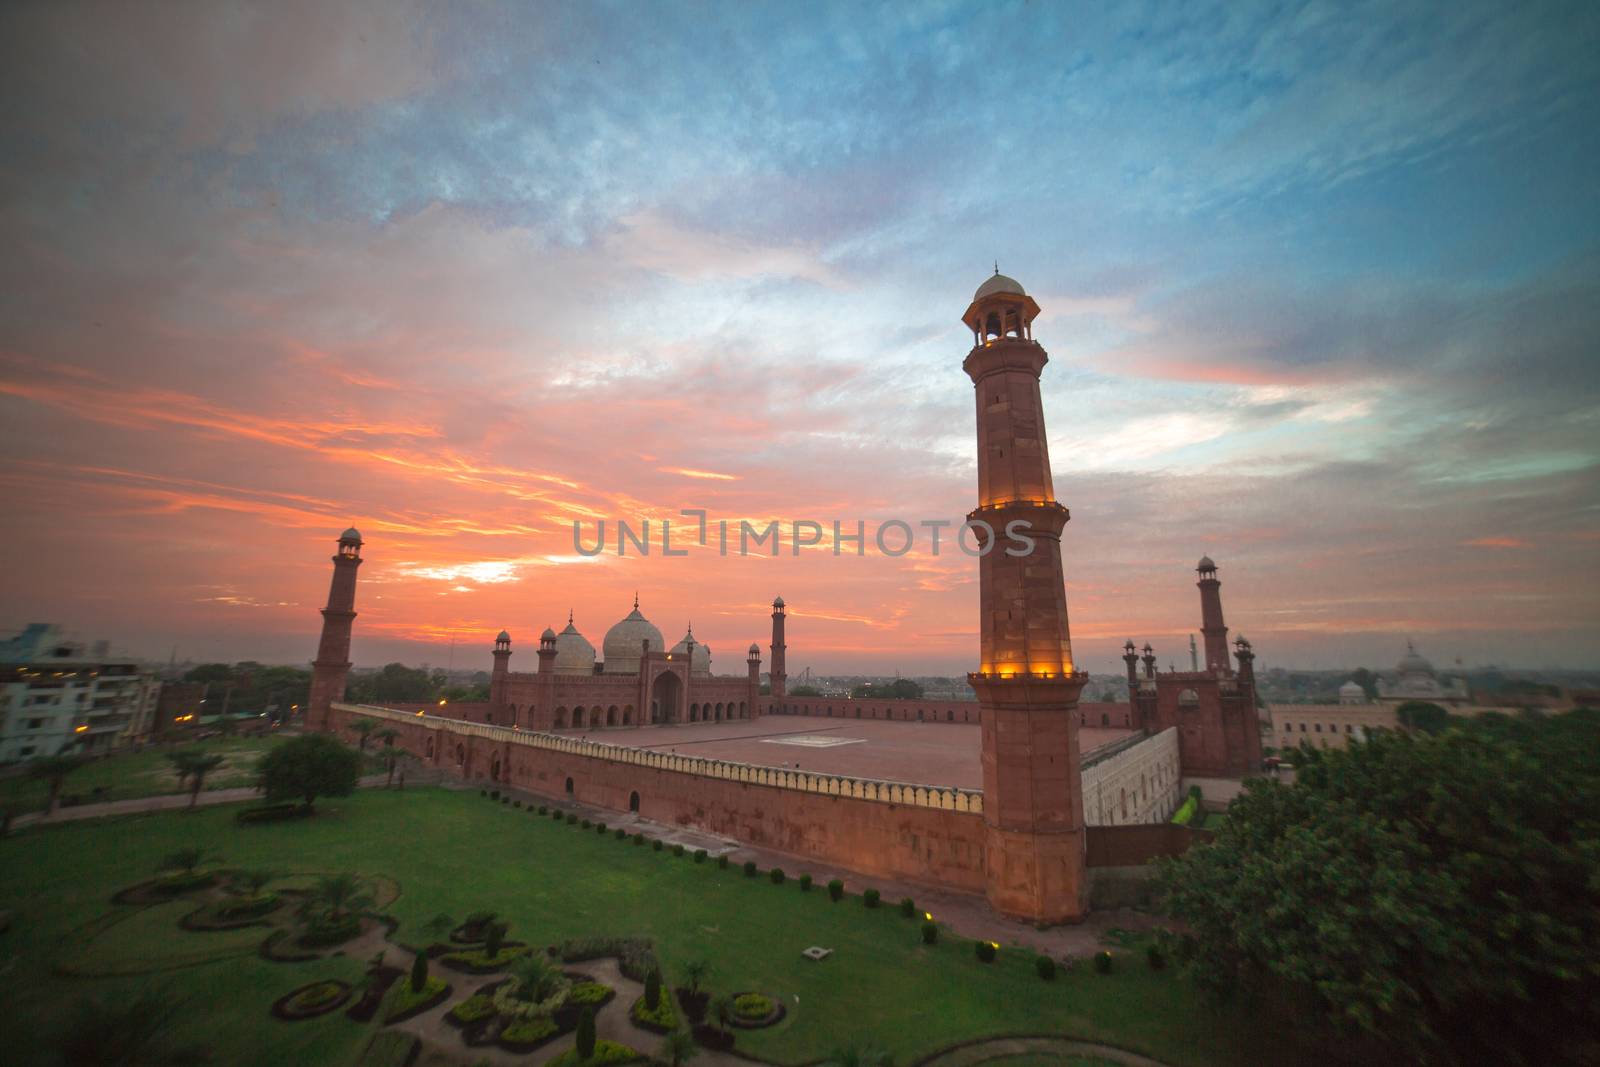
[664,693]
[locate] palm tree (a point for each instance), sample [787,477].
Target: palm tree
[694,972]
[536,977]
[387,735]
[677,1047]
[336,896]
[126,1032]
[54,769]
[364,727]
[722,1011]
[194,765]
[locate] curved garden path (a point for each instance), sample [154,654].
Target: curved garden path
[994,1048]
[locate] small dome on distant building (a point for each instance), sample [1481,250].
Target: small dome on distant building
[700,659]
[351,534]
[1352,693]
[1205,564]
[502,636]
[1413,662]
[623,646]
[778,603]
[755,649]
[999,284]
[548,635]
[574,653]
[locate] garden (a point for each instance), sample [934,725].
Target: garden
[476,928]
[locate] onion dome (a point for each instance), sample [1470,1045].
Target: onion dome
[502,636]
[755,650]
[548,635]
[1205,564]
[1352,693]
[574,653]
[998,284]
[778,603]
[1413,662]
[623,647]
[700,659]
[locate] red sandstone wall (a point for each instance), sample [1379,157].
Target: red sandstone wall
[1130,846]
[943,848]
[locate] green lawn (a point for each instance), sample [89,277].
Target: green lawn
[456,852]
[127,775]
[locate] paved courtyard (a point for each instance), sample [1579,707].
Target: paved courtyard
[932,753]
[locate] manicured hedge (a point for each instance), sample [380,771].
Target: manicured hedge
[805,883]
[985,951]
[1046,968]
[776,875]
[930,933]
[836,890]
[1102,962]
[605,1052]
[870,898]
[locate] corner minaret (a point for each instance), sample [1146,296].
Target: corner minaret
[1026,685]
[332,665]
[1211,624]
[502,672]
[780,680]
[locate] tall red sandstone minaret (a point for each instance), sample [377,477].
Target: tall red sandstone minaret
[332,665]
[1032,791]
[780,680]
[1211,625]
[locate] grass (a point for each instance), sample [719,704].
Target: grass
[455,852]
[130,775]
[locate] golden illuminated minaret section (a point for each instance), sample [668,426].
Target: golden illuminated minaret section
[1026,686]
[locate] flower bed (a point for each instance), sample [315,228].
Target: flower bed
[605,1052]
[480,962]
[591,995]
[662,1020]
[474,1009]
[525,1035]
[310,1001]
[403,1002]
[325,933]
[279,947]
[379,979]
[753,1011]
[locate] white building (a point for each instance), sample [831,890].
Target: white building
[1415,679]
[56,693]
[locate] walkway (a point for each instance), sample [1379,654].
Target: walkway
[162,802]
[999,1048]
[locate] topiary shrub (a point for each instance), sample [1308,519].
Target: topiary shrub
[776,875]
[656,845]
[699,855]
[572,819]
[619,833]
[1102,962]
[749,868]
[556,814]
[494,794]
[805,883]
[586,824]
[600,827]
[908,908]
[677,850]
[419,972]
[869,898]
[585,1040]
[985,951]
[638,839]
[494,935]
[1046,968]
[483,792]
[544,809]
[516,803]
[722,861]
[930,933]
[1155,957]
[836,890]
[652,990]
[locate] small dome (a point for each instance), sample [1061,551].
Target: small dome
[1205,564]
[755,649]
[502,636]
[999,284]
[1188,698]
[1413,662]
[351,534]
[623,646]
[1352,693]
[548,635]
[574,653]
[700,659]
[778,603]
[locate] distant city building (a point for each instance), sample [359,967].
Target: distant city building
[1351,693]
[1417,680]
[56,693]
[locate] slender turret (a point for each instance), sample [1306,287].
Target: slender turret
[1211,624]
[780,680]
[332,665]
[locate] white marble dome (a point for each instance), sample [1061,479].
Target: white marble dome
[999,284]
[574,653]
[700,660]
[623,648]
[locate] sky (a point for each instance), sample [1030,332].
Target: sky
[1320,290]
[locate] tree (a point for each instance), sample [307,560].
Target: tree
[364,727]
[1367,681]
[899,689]
[694,972]
[131,1031]
[1434,894]
[54,770]
[1422,717]
[308,767]
[677,1048]
[722,1011]
[394,684]
[585,1039]
[652,989]
[193,765]
[419,972]
[387,735]
[337,896]
[805,691]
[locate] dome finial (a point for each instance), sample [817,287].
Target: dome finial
[636,600]
[569,616]
[997,266]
